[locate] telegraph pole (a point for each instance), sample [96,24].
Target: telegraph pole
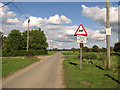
[28,36]
[108,36]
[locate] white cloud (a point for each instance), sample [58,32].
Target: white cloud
[95,36]
[99,15]
[15,20]
[4,11]
[60,44]
[66,34]
[117,40]
[34,22]
[53,20]
[56,20]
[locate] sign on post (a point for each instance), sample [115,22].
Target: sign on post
[108,31]
[81,31]
[81,38]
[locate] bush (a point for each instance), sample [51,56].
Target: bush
[117,47]
[93,56]
[23,53]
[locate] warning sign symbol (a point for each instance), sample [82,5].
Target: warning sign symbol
[81,31]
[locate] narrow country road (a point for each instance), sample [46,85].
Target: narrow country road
[48,73]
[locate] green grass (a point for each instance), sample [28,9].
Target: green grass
[10,65]
[69,53]
[90,73]
[49,53]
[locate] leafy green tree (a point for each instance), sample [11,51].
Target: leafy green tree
[95,48]
[55,49]
[37,40]
[4,42]
[73,49]
[14,41]
[117,47]
[1,35]
[103,49]
[86,49]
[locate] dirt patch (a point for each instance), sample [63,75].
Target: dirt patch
[85,83]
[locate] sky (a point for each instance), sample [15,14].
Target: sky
[60,20]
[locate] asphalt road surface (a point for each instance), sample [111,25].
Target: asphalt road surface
[48,73]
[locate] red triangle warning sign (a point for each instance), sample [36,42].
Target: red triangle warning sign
[81,31]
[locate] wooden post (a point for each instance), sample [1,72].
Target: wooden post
[81,45]
[108,36]
[28,36]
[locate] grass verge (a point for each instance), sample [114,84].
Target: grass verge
[10,65]
[69,53]
[88,77]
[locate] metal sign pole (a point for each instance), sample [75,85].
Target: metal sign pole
[80,57]
[81,45]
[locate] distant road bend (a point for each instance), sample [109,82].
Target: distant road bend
[48,73]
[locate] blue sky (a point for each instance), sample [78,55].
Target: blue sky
[71,10]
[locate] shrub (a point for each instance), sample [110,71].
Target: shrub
[92,56]
[117,47]
[23,53]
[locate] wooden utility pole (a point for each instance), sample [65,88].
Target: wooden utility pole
[81,45]
[28,36]
[108,36]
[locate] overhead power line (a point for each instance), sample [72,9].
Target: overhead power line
[15,7]
[18,9]
[5,4]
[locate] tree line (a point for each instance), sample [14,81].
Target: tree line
[95,48]
[17,40]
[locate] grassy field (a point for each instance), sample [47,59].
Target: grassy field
[69,53]
[49,53]
[92,75]
[10,65]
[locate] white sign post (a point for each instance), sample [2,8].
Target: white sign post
[81,38]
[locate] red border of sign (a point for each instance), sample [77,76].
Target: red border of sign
[83,29]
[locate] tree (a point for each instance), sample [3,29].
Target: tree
[14,41]
[4,42]
[95,48]
[37,40]
[1,36]
[117,47]
[73,49]
[55,49]
[86,49]
[103,49]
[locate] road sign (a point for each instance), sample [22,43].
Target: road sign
[81,30]
[81,39]
[108,31]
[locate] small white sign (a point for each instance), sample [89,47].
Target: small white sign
[108,31]
[81,39]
